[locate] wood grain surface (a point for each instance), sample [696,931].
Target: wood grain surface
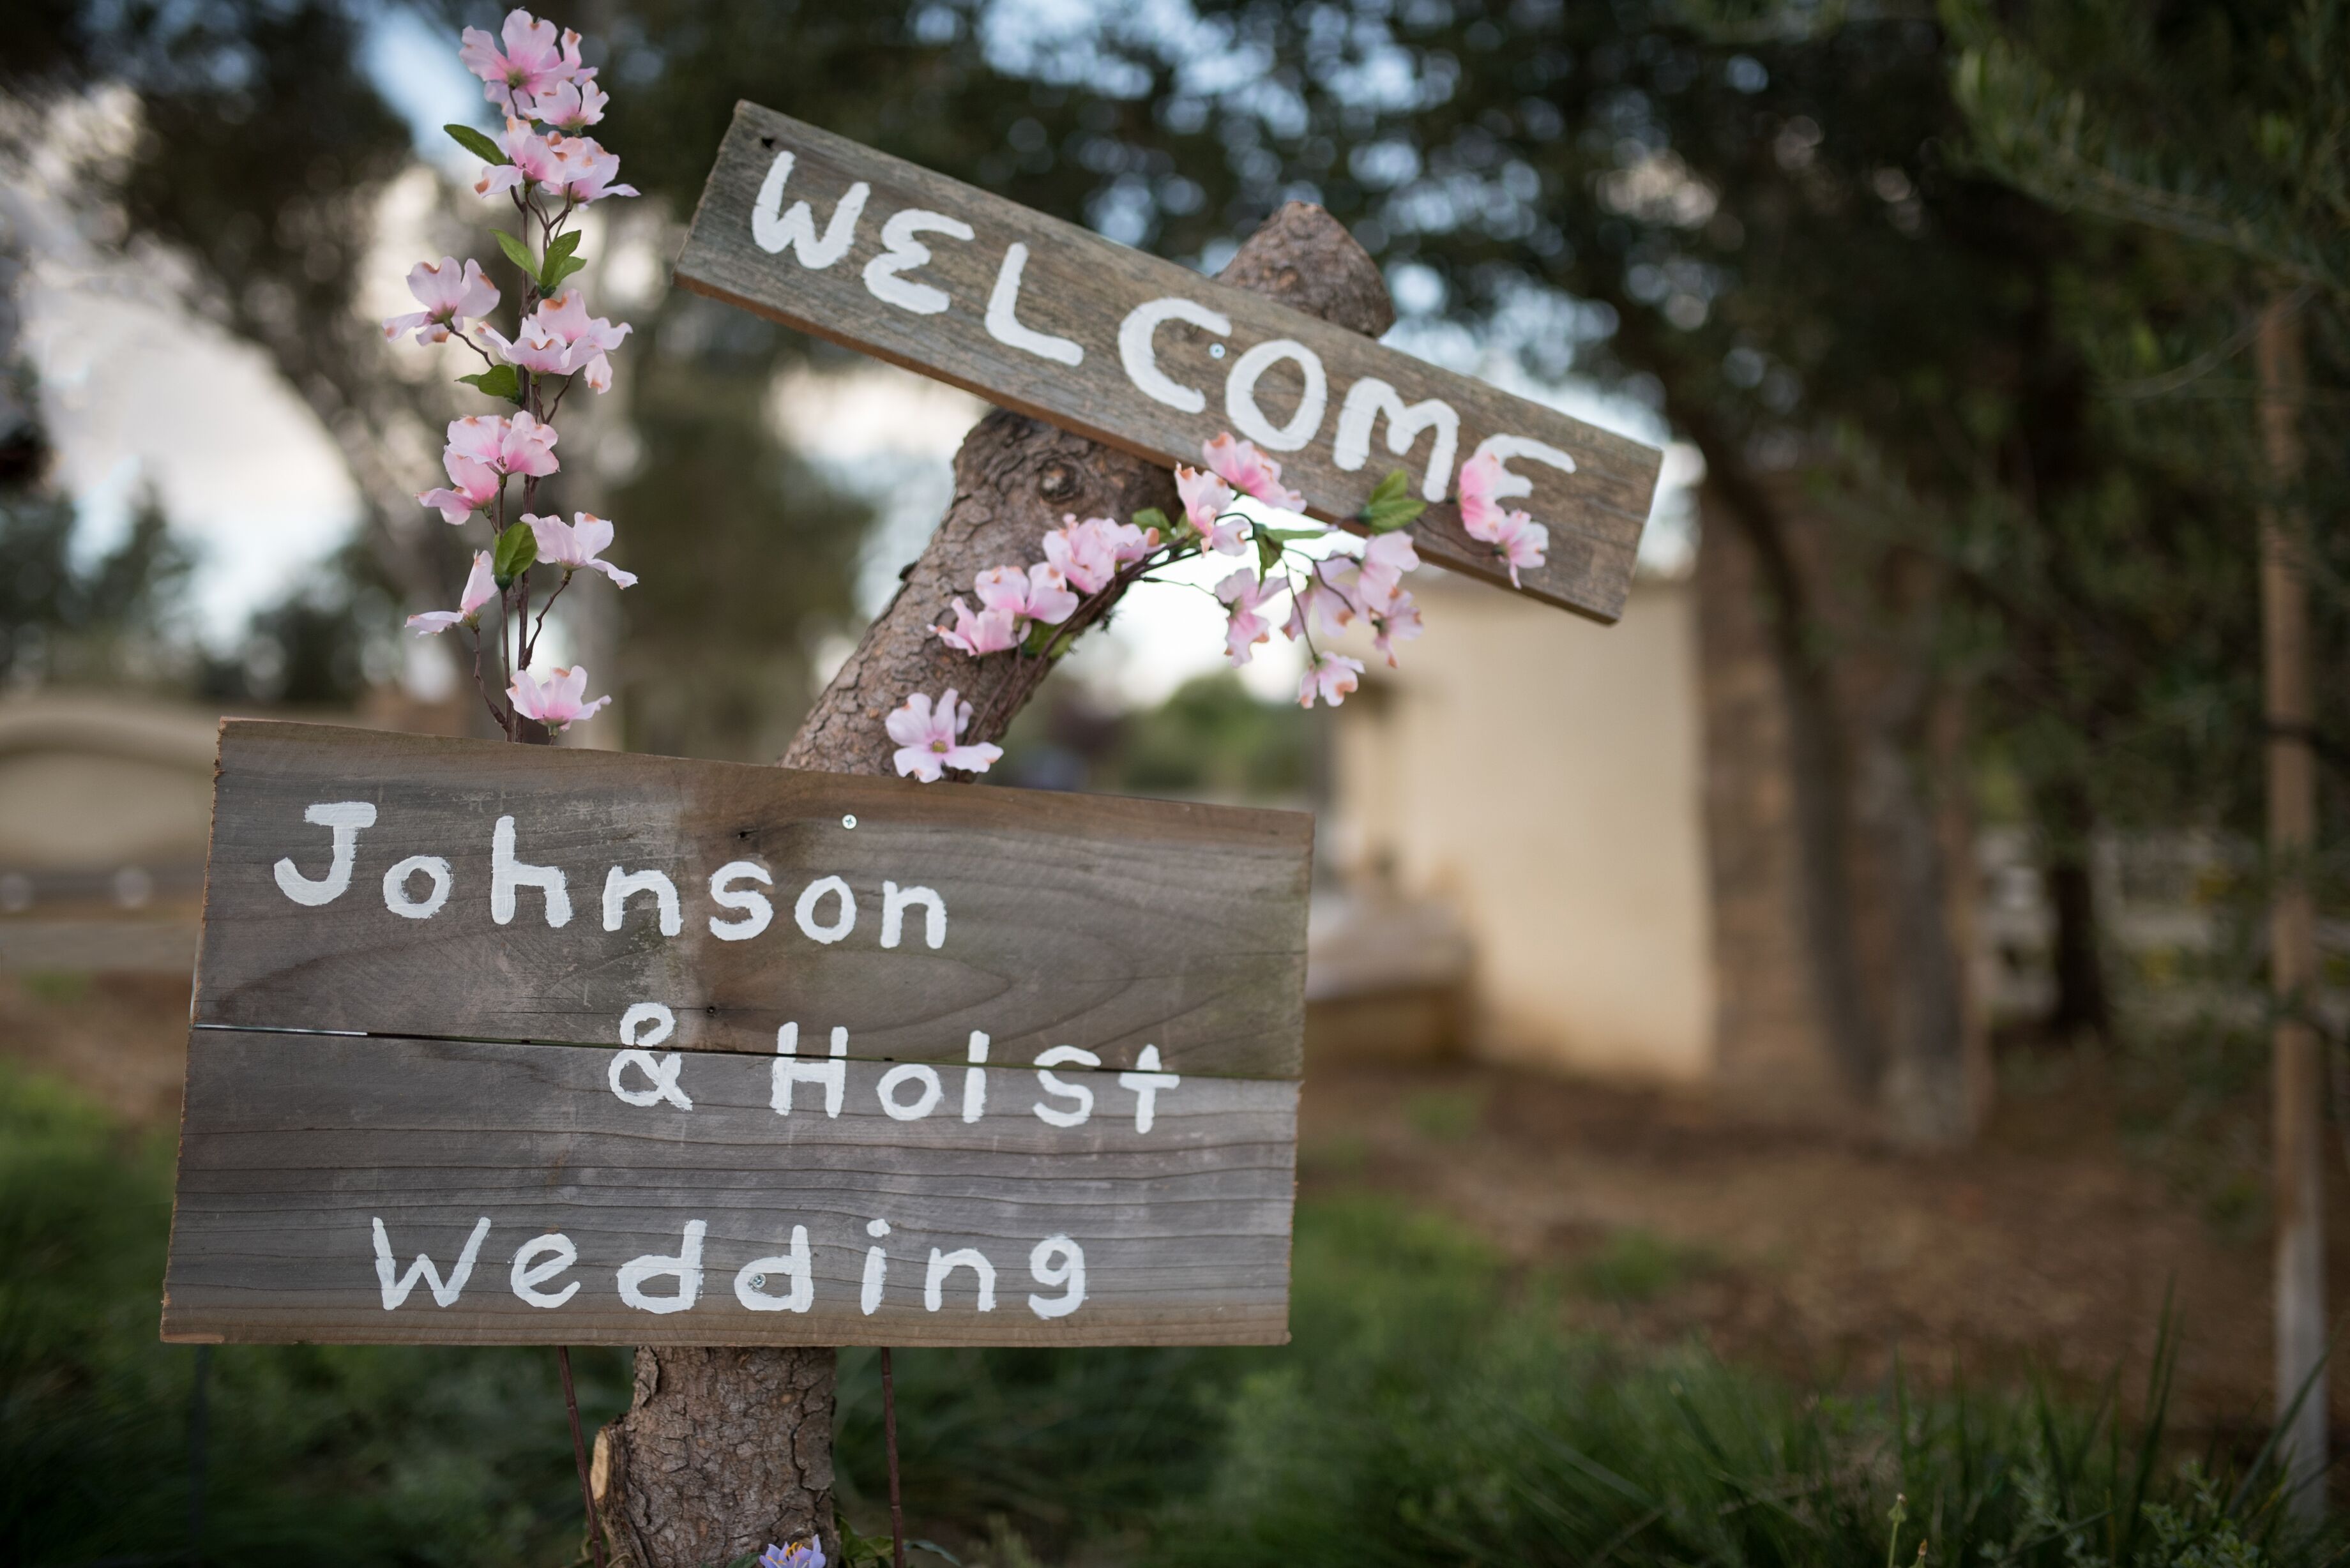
[294,1145]
[1104,923]
[930,309]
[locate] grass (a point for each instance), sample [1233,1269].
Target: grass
[1635,1265]
[1437,1417]
[313,1454]
[1430,1411]
[1445,1116]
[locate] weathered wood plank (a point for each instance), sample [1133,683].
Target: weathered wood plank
[1105,923]
[946,279]
[295,1146]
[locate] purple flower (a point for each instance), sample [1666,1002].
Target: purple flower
[808,1554]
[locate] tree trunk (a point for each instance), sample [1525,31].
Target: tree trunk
[1865,767]
[1935,1089]
[1818,768]
[2084,1004]
[2298,1077]
[724,1451]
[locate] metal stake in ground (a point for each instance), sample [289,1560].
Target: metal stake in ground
[889,1445]
[725,1450]
[580,1455]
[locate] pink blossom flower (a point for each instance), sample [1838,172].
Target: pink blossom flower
[577,543]
[557,702]
[451,296]
[1520,541]
[1395,621]
[534,351]
[1090,553]
[518,445]
[1041,593]
[531,159]
[1330,678]
[1514,537]
[584,172]
[1385,561]
[529,65]
[989,631]
[1208,507]
[563,322]
[1247,594]
[1010,599]
[568,106]
[560,338]
[930,738]
[1327,605]
[1482,479]
[1250,472]
[476,485]
[481,588]
[1130,544]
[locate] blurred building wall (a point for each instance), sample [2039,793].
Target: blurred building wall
[105,808]
[98,782]
[1543,778]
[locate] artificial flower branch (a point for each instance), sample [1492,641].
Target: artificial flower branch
[1038,612]
[550,171]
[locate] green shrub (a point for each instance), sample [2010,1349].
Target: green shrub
[1432,1418]
[1430,1411]
[312,1454]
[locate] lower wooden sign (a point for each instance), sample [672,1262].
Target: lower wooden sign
[383,1191]
[501,1044]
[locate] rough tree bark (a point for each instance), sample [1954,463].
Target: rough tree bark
[727,1451]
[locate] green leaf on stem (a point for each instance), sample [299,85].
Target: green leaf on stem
[517,549]
[1151,517]
[561,261]
[1268,552]
[476,143]
[1290,536]
[497,381]
[518,253]
[1392,505]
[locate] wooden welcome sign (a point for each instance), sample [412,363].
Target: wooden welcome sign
[508,1045]
[833,238]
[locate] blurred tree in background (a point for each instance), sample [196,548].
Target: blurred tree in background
[748,553]
[2222,128]
[2210,137]
[61,620]
[1209,739]
[275,248]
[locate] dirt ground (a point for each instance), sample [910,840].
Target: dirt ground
[121,1039]
[2046,1250]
